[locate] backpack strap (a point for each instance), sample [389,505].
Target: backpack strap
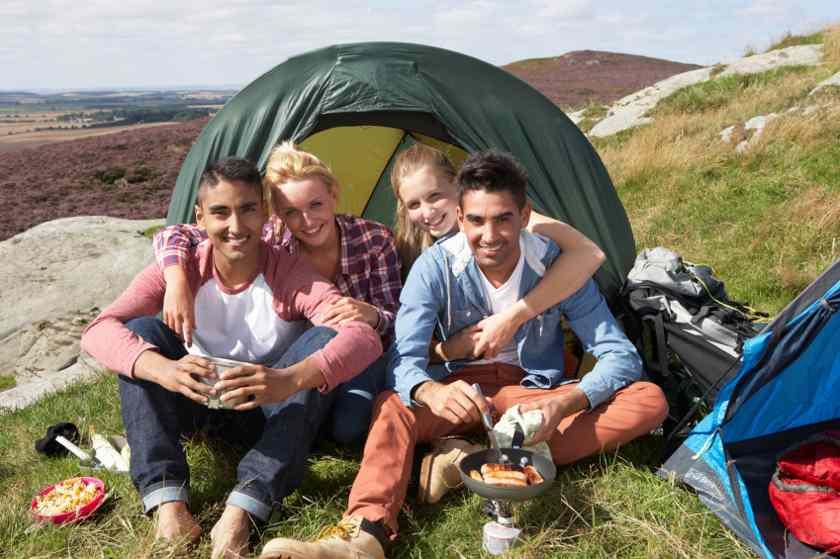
[658,327]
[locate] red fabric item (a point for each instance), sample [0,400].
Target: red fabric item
[805,491]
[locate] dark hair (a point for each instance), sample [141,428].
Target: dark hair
[493,171]
[230,169]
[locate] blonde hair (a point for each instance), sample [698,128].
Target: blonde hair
[410,239]
[287,162]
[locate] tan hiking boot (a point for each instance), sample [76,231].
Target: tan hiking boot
[345,540]
[439,469]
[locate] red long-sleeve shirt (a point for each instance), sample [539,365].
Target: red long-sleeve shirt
[255,323]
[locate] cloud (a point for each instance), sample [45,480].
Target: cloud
[99,43]
[575,10]
[766,8]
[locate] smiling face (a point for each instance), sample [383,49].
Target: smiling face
[232,213]
[492,222]
[430,200]
[307,208]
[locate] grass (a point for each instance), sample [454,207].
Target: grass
[592,114]
[790,40]
[7,382]
[717,93]
[604,507]
[149,232]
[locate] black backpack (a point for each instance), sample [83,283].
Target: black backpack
[688,330]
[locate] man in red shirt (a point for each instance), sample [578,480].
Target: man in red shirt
[252,303]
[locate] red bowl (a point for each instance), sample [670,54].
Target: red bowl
[73,516]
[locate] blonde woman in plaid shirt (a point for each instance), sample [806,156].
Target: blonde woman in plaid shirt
[357,255]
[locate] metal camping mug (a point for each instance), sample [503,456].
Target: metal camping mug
[215,402]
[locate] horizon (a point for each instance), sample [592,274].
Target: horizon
[116,88]
[100,45]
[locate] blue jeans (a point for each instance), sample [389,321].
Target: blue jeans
[350,419]
[279,436]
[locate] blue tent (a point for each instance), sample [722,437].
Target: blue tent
[787,389]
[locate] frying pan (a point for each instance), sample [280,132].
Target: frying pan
[474,461]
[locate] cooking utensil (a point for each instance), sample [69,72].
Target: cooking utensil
[487,421]
[85,459]
[474,461]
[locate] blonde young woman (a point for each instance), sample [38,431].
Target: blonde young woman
[357,255]
[427,200]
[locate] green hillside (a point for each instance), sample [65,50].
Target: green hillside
[767,219]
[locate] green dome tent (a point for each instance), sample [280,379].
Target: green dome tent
[357,105]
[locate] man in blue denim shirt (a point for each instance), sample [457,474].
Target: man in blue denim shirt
[452,286]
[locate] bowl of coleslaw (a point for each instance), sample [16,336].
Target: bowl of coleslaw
[68,501]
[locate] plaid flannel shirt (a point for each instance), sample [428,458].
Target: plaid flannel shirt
[369,267]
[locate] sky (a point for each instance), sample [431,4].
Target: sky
[60,44]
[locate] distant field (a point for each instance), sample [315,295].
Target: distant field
[30,120]
[22,140]
[18,121]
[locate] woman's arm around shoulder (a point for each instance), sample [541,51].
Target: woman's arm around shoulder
[579,259]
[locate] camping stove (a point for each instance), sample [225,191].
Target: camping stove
[499,535]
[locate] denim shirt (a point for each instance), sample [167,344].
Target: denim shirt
[443,294]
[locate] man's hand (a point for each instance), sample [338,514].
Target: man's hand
[457,402]
[178,304]
[554,409]
[462,345]
[249,386]
[182,376]
[347,309]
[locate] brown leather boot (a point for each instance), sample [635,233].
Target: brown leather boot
[352,538]
[439,468]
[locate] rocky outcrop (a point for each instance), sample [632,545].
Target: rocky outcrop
[800,55]
[632,110]
[56,276]
[743,136]
[833,81]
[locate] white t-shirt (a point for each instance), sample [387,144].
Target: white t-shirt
[499,299]
[243,325]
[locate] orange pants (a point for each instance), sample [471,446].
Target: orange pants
[381,484]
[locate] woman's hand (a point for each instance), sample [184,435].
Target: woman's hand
[461,345]
[347,309]
[178,304]
[497,331]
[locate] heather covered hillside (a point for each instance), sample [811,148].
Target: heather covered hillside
[127,174]
[579,78]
